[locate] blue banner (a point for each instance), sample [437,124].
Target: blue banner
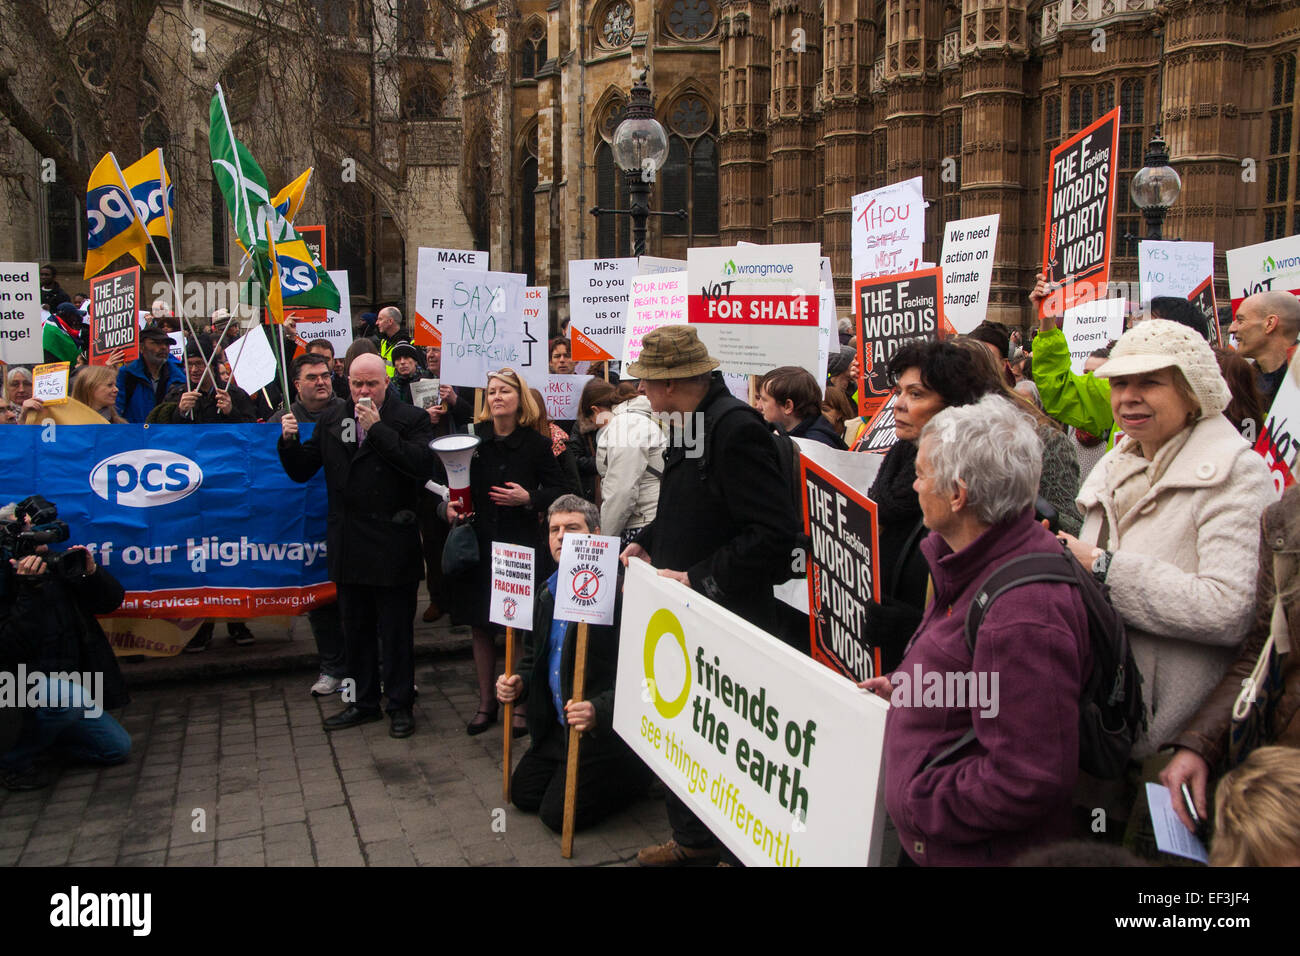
[196,521]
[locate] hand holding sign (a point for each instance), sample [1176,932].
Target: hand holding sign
[587,581]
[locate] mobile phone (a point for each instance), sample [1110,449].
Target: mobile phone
[366,402]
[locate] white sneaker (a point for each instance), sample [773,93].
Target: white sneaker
[325,685]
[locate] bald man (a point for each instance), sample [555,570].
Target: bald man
[1266,326]
[388,332]
[376,457]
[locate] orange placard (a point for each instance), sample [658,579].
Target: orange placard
[425,332]
[583,349]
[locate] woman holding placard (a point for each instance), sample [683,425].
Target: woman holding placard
[514,477]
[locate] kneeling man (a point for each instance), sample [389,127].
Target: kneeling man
[610,776]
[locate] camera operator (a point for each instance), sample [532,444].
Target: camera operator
[48,604]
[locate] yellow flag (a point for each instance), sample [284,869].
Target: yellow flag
[288,200]
[151,188]
[114,226]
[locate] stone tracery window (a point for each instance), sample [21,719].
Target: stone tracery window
[689,178]
[616,25]
[691,19]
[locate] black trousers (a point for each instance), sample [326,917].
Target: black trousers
[687,828]
[433,535]
[373,616]
[607,781]
[327,629]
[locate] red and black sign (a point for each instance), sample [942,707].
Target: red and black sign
[114,312]
[1203,298]
[878,434]
[892,311]
[314,238]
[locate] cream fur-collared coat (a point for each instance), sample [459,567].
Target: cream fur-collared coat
[1185,558]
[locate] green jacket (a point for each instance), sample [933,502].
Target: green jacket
[1082,401]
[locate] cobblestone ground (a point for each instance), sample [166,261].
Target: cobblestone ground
[276,790]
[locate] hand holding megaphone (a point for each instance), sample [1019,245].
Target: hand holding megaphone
[456,452]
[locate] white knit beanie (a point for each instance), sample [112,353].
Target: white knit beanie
[1159,343]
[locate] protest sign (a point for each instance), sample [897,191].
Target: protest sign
[737,384]
[177,348]
[50,383]
[842,572]
[1264,267]
[654,301]
[588,580]
[535,362]
[114,302]
[657,265]
[483,325]
[878,432]
[828,331]
[598,295]
[252,360]
[561,393]
[756,307]
[1090,326]
[313,238]
[1081,176]
[1181,269]
[194,522]
[888,229]
[967,262]
[20,314]
[1279,442]
[890,312]
[337,326]
[512,586]
[780,758]
[431,307]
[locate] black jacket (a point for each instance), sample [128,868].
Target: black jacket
[373,536]
[242,408]
[726,518]
[904,573]
[598,681]
[817,428]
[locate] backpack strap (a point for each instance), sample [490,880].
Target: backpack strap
[1026,569]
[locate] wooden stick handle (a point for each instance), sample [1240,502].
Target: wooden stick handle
[571,771]
[510,714]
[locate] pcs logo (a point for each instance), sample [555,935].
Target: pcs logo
[296,276]
[145,478]
[108,213]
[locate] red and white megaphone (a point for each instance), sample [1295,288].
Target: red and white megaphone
[456,451]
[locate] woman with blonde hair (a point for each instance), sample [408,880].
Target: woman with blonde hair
[514,477]
[96,387]
[1255,819]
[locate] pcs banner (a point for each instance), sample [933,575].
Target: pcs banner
[195,522]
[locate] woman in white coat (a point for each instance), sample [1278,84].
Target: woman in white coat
[1171,518]
[630,457]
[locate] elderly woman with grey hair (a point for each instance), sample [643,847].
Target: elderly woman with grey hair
[980,775]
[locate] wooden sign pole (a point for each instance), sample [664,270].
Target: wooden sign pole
[510,713]
[571,772]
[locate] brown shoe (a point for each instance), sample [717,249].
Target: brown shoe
[432,613]
[674,854]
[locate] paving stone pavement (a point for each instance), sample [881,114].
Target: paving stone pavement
[247,759]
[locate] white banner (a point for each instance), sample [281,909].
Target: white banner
[513,586]
[430,307]
[598,294]
[483,326]
[20,314]
[588,580]
[656,300]
[967,261]
[888,229]
[1090,326]
[779,757]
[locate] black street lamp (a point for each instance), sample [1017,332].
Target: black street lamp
[1155,187]
[640,148]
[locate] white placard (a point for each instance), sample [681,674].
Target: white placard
[827,279]
[598,294]
[657,265]
[828,331]
[888,228]
[588,578]
[1090,326]
[1173,268]
[561,394]
[251,360]
[483,328]
[513,586]
[535,362]
[737,385]
[337,327]
[782,759]
[20,314]
[50,383]
[755,307]
[967,261]
[177,348]
[655,301]
[1267,266]
[430,307]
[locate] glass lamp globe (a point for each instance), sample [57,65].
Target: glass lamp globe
[1155,187]
[638,139]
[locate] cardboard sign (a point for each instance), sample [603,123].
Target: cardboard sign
[1265,267]
[50,383]
[1081,176]
[1279,442]
[1089,327]
[535,363]
[483,328]
[252,361]
[513,586]
[888,229]
[842,572]
[655,301]
[878,434]
[561,393]
[1181,269]
[780,758]
[967,261]
[430,304]
[20,314]
[598,296]
[588,579]
[336,326]
[756,307]
[114,299]
[890,312]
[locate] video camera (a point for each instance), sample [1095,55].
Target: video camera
[18,540]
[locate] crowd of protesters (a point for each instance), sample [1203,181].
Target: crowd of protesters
[1140,469]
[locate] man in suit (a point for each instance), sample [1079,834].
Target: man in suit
[376,458]
[610,776]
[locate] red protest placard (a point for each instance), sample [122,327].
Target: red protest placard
[1079,230]
[114,307]
[314,237]
[890,312]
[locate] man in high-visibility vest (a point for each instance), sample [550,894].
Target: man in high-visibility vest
[388,332]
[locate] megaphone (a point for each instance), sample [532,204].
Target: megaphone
[456,451]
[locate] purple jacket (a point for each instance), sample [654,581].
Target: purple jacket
[1010,788]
